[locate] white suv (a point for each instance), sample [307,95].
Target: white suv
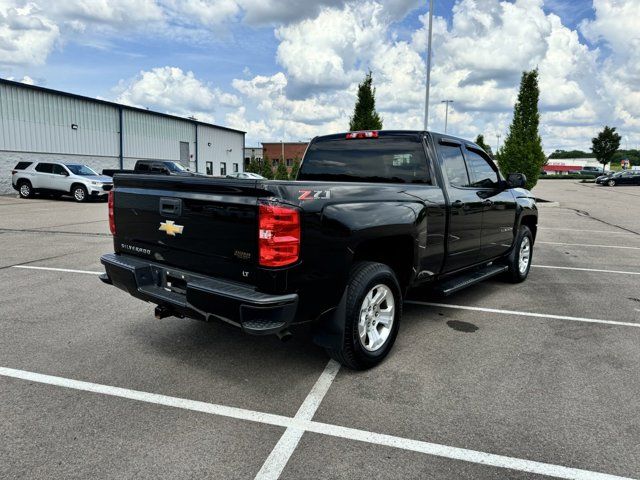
[74,179]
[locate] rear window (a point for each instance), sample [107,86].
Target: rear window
[378,160]
[22,165]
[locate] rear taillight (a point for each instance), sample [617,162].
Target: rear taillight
[362,134]
[13,172]
[278,235]
[112,222]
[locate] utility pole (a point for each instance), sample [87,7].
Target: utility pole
[446,113]
[497,142]
[426,99]
[283,121]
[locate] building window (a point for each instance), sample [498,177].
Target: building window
[235,168]
[209,168]
[289,162]
[223,169]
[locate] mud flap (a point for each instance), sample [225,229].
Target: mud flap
[329,333]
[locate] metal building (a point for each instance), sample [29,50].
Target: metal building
[42,124]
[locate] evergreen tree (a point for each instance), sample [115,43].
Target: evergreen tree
[605,145]
[254,165]
[295,169]
[281,172]
[365,116]
[522,149]
[484,146]
[266,169]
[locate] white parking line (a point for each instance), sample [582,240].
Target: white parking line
[588,245]
[587,269]
[472,456]
[523,314]
[68,270]
[281,453]
[588,231]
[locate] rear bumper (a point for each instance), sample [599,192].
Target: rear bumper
[200,297]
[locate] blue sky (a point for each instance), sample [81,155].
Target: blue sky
[279,68]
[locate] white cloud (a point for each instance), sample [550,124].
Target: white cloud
[171,90]
[27,36]
[26,79]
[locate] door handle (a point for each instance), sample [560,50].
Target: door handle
[487,203]
[458,204]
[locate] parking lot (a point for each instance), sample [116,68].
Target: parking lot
[533,380]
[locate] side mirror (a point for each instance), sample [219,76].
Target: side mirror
[516,180]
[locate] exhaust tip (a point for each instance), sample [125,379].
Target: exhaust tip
[162,312]
[284,335]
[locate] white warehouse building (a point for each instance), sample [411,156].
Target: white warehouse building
[38,124]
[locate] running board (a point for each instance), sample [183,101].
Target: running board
[467,279]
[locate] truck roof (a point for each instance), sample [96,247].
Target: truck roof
[390,133]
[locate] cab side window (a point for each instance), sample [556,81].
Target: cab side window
[481,170]
[143,167]
[454,165]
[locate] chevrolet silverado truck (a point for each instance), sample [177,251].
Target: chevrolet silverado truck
[371,214]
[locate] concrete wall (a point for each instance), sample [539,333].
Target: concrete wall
[8,160]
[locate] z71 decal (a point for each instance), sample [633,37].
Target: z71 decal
[314,194]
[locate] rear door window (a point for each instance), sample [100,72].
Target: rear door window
[377,160]
[44,168]
[454,166]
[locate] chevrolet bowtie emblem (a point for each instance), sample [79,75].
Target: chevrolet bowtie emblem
[171,228]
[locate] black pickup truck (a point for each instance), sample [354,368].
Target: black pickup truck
[164,167]
[370,215]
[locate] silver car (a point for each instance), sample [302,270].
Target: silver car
[55,178]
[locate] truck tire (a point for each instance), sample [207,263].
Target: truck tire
[25,190]
[519,260]
[373,312]
[79,193]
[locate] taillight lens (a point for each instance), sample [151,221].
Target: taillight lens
[279,235]
[112,222]
[362,134]
[13,172]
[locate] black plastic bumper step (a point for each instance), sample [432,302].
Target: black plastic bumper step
[467,279]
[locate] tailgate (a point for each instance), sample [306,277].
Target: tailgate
[202,225]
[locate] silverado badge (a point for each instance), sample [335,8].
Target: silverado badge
[171,228]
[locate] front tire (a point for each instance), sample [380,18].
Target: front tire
[79,193]
[519,260]
[25,189]
[372,319]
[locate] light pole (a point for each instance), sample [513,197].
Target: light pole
[446,113]
[283,121]
[426,99]
[497,142]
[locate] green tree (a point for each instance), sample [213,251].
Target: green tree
[266,169]
[295,169]
[281,172]
[522,149]
[605,145]
[254,165]
[365,116]
[484,146]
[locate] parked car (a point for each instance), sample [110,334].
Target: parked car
[591,171]
[626,177]
[164,167]
[245,175]
[370,215]
[55,178]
